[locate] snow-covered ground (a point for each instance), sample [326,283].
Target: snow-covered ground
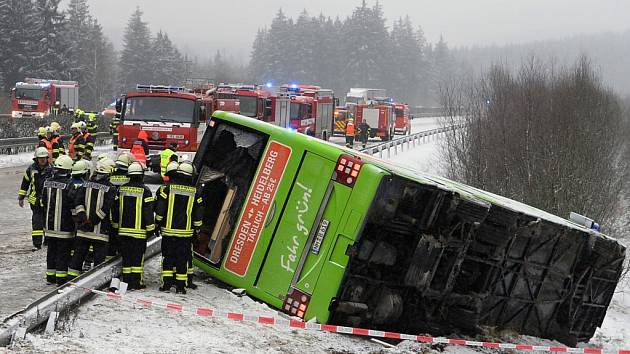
[103,325]
[26,158]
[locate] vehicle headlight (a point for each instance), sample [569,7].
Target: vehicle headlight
[124,139]
[15,114]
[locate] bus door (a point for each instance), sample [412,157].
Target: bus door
[306,202]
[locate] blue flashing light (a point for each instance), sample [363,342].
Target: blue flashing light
[487,101]
[268,84]
[391,99]
[293,86]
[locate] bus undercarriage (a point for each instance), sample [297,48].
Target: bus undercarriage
[430,261]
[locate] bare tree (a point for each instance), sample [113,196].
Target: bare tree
[550,136]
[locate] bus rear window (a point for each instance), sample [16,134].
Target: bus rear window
[227,162]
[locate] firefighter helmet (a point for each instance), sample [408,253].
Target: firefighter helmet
[41,131]
[74,126]
[82,125]
[186,168]
[105,166]
[123,160]
[80,167]
[135,169]
[41,152]
[102,156]
[63,162]
[49,129]
[172,166]
[55,126]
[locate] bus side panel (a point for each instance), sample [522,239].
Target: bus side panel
[295,226]
[317,250]
[333,269]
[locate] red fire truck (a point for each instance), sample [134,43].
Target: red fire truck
[378,116]
[402,124]
[306,109]
[37,97]
[247,100]
[167,114]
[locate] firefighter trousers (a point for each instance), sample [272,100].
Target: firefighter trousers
[176,255]
[132,250]
[81,247]
[57,259]
[349,140]
[38,225]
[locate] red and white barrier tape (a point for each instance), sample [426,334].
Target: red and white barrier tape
[281,322]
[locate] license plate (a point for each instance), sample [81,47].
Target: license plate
[321,232]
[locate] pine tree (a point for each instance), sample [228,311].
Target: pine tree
[281,65]
[258,62]
[135,60]
[17,40]
[75,40]
[221,70]
[50,61]
[407,54]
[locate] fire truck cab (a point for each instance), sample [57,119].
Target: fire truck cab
[167,114]
[402,124]
[37,97]
[306,109]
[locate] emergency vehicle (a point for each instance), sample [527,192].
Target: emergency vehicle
[37,97]
[379,117]
[248,100]
[402,124]
[341,117]
[167,114]
[306,109]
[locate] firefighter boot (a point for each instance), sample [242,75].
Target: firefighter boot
[190,284]
[180,283]
[180,289]
[51,279]
[167,284]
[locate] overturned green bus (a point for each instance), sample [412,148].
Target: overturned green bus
[320,231]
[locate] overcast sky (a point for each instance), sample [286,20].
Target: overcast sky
[203,26]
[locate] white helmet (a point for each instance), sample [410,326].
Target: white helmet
[186,168]
[172,166]
[123,160]
[41,152]
[63,162]
[105,166]
[82,125]
[135,169]
[80,167]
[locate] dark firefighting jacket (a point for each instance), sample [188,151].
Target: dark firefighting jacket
[90,140]
[33,182]
[178,210]
[132,212]
[58,202]
[93,204]
[118,179]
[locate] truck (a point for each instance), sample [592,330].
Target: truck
[363,95]
[38,98]
[329,234]
[402,124]
[379,116]
[310,109]
[341,117]
[167,114]
[247,99]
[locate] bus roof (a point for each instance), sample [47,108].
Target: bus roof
[333,151]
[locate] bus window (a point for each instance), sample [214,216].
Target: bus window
[228,161]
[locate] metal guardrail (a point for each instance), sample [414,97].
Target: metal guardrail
[12,146]
[409,140]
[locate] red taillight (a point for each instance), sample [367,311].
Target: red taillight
[347,171]
[296,303]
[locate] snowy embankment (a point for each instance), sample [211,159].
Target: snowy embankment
[104,325]
[26,158]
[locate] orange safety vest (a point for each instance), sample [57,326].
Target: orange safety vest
[49,145]
[71,145]
[137,150]
[350,129]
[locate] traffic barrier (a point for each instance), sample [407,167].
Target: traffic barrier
[12,146]
[413,139]
[299,324]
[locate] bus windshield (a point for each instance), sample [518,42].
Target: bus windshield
[227,160]
[161,109]
[248,106]
[29,94]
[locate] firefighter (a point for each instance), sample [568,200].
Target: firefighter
[80,173]
[113,130]
[178,225]
[31,188]
[166,156]
[350,133]
[91,123]
[118,178]
[89,141]
[364,133]
[58,147]
[57,201]
[93,202]
[77,143]
[132,216]
[140,148]
[47,142]
[41,133]
[78,115]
